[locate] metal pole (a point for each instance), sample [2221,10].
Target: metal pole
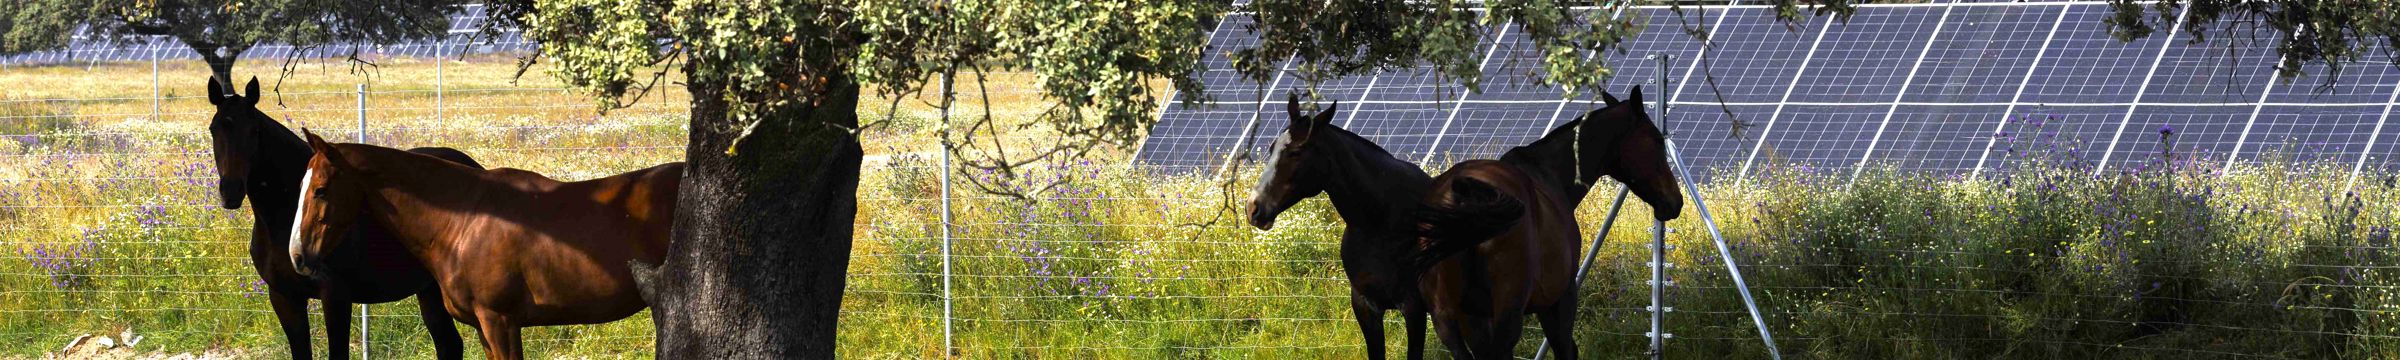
[362,113]
[438,84]
[1658,290]
[948,347]
[1724,252]
[154,90]
[363,344]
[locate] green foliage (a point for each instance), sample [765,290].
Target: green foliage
[2305,32]
[756,56]
[1330,39]
[234,26]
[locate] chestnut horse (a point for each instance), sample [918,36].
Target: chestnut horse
[1512,224]
[509,248]
[261,160]
[1373,191]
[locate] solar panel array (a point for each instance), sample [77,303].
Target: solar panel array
[462,38]
[1930,87]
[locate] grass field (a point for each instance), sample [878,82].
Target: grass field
[108,216]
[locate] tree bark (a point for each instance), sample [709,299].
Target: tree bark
[762,238]
[220,66]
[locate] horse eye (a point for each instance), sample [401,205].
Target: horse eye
[319,193]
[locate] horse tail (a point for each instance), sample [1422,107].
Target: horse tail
[1476,213]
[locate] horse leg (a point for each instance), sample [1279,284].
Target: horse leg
[1453,333]
[1558,325]
[1416,332]
[1500,335]
[500,341]
[446,344]
[292,313]
[1370,325]
[337,324]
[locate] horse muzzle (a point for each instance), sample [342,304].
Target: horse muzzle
[1664,213]
[308,266]
[231,192]
[1261,219]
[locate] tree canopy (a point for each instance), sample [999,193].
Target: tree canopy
[2330,33]
[1094,60]
[221,30]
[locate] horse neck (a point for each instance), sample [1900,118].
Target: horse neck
[275,168]
[1371,188]
[421,198]
[1554,161]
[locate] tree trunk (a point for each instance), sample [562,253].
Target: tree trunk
[220,66]
[762,238]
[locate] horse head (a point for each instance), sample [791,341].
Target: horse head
[1620,141]
[332,193]
[233,137]
[1288,175]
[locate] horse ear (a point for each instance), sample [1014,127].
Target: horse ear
[1291,107]
[1608,99]
[1325,117]
[316,143]
[1636,97]
[250,92]
[216,92]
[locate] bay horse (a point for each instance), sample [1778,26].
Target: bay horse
[1373,192]
[260,160]
[1511,225]
[509,248]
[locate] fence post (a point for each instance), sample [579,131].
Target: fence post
[363,345]
[948,350]
[1724,252]
[438,84]
[154,90]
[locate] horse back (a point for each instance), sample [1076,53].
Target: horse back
[645,198]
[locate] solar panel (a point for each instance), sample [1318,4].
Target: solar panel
[1865,60]
[2086,65]
[1983,54]
[87,49]
[1194,135]
[2230,69]
[1821,136]
[1700,133]
[2201,132]
[2312,133]
[2069,133]
[1943,137]
[1832,95]
[1754,58]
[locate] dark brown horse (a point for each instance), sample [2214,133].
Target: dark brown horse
[1511,223]
[509,248]
[1374,193]
[261,160]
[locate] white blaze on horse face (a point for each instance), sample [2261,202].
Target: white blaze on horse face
[1267,176]
[300,212]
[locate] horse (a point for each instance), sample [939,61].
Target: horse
[1374,192]
[510,248]
[260,160]
[1498,238]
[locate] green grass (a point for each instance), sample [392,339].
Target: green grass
[2039,260]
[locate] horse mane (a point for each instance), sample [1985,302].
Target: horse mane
[1369,147]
